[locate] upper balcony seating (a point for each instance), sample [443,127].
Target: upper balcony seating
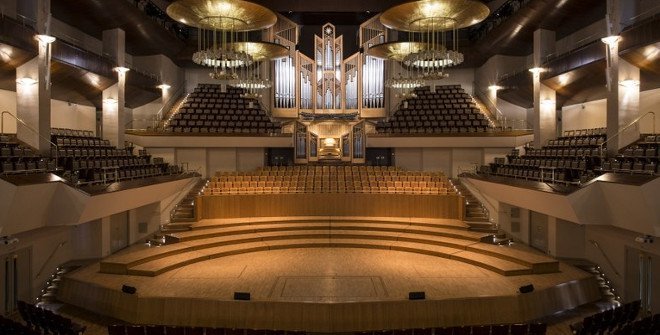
[89,159]
[640,157]
[329,179]
[570,158]
[209,110]
[18,158]
[447,110]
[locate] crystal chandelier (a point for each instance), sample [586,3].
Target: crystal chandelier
[220,25]
[433,26]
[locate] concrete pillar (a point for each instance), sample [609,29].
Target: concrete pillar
[114,101]
[623,104]
[545,114]
[33,85]
[113,115]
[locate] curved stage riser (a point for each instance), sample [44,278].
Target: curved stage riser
[329,317]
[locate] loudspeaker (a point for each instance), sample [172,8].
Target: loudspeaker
[526,288]
[241,295]
[416,296]
[128,289]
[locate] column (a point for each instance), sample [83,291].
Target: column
[545,109]
[114,120]
[33,85]
[622,81]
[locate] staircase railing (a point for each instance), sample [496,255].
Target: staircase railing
[169,104]
[52,254]
[607,258]
[2,131]
[499,115]
[635,121]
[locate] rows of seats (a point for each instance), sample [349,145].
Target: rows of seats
[329,179]
[571,158]
[504,329]
[18,158]
[619,320]
[210,110]
[641,157]
[87,159]
[43,320]
[447,110]
[9,326]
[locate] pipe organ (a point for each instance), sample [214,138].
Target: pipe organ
[328,94]
[328,84]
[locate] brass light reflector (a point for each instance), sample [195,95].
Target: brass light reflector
[396,50]
[261,50]
[233,15]
[435,15]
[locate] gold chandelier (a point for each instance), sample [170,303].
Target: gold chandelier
[221,25]
[431,24]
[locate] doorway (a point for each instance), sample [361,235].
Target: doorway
[641,269]
[538,231]
[16,279]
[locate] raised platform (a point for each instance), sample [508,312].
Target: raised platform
[328,290]
[221,238]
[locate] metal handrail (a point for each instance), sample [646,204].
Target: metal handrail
[2,131]
[479,93]
[602,155]
[607,258]
[169,104]
[52,254]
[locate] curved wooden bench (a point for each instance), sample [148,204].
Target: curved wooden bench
[219,242]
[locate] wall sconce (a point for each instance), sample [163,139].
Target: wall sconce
[164,86]
[629,83]
[548,102]
[47,39]
[110,101]
[26,81]
[536,70]
[495,87]
[121,69]
[611,40]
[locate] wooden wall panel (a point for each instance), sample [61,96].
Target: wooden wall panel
[330,204]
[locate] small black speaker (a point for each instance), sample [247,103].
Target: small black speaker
[128,289]
[241,295]
[526,289]
[416,296]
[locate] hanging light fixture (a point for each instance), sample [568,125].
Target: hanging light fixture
[220,24]
[434,24]
[250,77]
[402,79]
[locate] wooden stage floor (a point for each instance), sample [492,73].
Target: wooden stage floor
[328,290]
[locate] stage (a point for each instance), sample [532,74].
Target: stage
[328,290]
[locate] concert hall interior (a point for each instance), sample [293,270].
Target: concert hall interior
[371,167]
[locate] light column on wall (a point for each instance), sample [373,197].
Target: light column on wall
[33,85]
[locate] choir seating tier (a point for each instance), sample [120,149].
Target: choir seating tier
[221,238]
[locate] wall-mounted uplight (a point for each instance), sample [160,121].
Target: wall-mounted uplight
[164,87]
[536,70]
[495,87]
[629,83]
[548,102]
[611,40]
[121,69]
[26,81]
[47,39]
[110,101]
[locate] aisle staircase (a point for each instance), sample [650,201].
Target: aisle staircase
[48,294]
[182,215]
[477,216]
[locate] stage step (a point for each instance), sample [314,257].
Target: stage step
[440,242]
